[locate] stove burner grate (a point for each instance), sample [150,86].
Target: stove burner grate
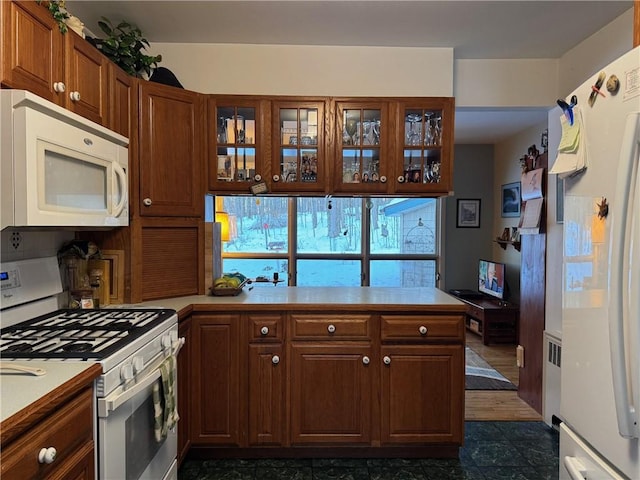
[78,347]
[19,347]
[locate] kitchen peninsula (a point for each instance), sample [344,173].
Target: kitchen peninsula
[357,370]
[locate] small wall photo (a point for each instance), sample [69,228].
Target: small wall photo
[511,199]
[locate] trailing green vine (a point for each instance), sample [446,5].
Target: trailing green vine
[58,12]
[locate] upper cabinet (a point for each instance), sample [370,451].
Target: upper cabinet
[423,146]
[65,69]
[324,145]
[298,146]
[236,138]
[362,162]
[171,151]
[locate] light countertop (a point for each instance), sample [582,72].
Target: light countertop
[20,390]
[270,297]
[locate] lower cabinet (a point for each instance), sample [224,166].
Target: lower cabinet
[331,393]
[216,376]
[422,394]
[326,379]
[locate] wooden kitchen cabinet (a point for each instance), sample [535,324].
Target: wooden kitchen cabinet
[267,380]
[331,393]
[171,152]
[63,68]
[363,132]
[67,426]
[423,145]
[299,144]
[123,103]
[236,135]
[422,380]
[216,380]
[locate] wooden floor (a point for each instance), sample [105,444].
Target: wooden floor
[494,405]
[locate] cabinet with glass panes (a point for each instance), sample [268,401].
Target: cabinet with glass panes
[423,151]
[363,133]
[298,160]
[235,133]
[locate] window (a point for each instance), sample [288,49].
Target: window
[320,241]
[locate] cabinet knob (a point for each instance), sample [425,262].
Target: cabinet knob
[147,202]
[275,359]
[74,96]
[366,360]
[386,360]
[383,179]
[400,179]
[422,330]
[276,178]
[59,87]
[331,328]
[264,330]
[47,455]
[257,177]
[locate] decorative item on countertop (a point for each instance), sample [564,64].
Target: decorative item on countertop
[124,45]
[230,284]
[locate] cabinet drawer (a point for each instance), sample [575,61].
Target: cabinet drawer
[425,328]
[266,328]
[344,327]
[475,312]
[67,430]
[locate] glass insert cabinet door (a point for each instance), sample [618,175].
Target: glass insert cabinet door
[298,162]
[361,136]
[426,146]
[234,129]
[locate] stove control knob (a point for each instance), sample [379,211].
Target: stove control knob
[173,335]
[166,342]
[138,364]
[126,372]
[47,455]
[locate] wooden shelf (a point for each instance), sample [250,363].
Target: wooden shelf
[504,243]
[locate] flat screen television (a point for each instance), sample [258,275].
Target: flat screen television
[491,279]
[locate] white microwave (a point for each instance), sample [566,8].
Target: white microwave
[59,169]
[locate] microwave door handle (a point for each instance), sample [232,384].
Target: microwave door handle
[121,177]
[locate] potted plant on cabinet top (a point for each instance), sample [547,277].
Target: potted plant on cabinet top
[123,45]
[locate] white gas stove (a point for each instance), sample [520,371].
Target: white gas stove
[130,344]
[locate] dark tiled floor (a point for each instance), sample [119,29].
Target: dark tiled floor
[492,451]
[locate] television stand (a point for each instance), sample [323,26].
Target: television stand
[496,321]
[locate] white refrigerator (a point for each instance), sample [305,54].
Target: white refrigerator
[600,372]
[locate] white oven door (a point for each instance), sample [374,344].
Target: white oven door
[127,445]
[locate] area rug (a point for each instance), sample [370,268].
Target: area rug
[479,375]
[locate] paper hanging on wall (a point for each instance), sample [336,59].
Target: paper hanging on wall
[531,182]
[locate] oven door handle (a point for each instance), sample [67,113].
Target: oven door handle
[119,396]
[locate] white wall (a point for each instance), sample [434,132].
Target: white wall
[310,70]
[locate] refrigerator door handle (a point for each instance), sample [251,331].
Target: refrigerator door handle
[622,303]
[574,468]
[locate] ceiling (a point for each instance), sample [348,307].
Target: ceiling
[475,29]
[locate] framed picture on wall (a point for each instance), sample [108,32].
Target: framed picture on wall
[511,199]
[468,213]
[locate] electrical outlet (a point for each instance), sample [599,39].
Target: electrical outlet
[16,240]
[520,356]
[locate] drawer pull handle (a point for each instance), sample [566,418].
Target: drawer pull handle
[365,360]
[386,360]
[422,330]
[275,359]
[331,328]
[264,330]
[47,455]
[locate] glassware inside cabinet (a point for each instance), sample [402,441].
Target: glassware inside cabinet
[299,145]
[360,145]
[421,166]
[235,137]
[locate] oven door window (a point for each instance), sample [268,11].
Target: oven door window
[127,441]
